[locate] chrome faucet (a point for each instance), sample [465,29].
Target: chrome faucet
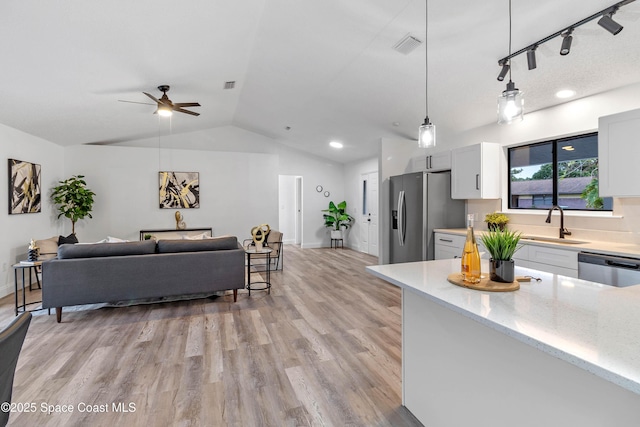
[563,231]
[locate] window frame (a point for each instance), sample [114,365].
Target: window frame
[555,143]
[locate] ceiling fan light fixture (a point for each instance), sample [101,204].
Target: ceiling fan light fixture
[165,111]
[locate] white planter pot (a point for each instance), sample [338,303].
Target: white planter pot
[336,234]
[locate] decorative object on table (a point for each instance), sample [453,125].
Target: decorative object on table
[485,284]
[180,224]
[147,236]
[470,263]
[502,245]
[32,253]
[24,187]
[337,218]
[259,235]
[74,199]
[496,221]
[179,190]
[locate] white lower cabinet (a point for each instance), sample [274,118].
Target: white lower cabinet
[448,246]
[548,259]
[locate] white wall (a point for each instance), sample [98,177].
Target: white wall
[314,171]
[18,230]
[237,190]
[353,192]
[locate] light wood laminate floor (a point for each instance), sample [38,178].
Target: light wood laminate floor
[323,349]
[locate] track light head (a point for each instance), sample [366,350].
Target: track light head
[567,38]
[531,58]
[503,72]
[609,24]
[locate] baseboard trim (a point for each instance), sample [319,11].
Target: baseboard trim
[6,289]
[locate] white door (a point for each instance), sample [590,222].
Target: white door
[369,218]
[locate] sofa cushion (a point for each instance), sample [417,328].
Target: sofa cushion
[212,244]
[106,249]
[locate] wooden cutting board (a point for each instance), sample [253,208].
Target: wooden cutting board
[484,285]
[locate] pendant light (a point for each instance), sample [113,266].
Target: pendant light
[511,102]
[427,132]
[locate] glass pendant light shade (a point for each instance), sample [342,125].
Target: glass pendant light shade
[427,134]
[510,105]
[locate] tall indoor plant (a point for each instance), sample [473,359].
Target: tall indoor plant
[501,245]
[337,217]
[74,199]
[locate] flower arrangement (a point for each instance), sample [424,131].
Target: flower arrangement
[496,221]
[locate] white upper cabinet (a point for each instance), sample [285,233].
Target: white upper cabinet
[435,162]
[618,154]
[475,171]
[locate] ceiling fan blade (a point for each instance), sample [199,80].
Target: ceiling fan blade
[135,102]
[180,110]
[186,104]
[151,96]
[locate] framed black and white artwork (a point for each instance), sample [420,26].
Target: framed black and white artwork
[24,187]
[179,190]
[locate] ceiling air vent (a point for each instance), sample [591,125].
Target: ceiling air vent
[407,44]
[229,85]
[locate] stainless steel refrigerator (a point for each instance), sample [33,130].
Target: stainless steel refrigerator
[421,202]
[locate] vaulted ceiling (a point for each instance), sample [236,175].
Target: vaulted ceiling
[306,72]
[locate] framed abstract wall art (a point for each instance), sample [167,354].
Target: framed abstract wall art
[179,190]
[24,187]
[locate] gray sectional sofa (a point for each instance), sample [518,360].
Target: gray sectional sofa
[108,272]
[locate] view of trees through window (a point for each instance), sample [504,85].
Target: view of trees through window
[561,172]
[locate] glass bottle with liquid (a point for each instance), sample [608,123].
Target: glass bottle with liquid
[470,265]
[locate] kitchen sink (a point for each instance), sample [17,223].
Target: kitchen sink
[554,240]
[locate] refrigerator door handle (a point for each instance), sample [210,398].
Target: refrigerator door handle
[401,218]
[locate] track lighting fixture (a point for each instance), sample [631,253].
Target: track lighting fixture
[609,24]
[567,38]
[503,72]
[606,21]
[531,58]
[427,132]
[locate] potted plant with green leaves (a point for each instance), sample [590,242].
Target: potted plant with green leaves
[337,218]
[501,245]
[496,221]
[74,199]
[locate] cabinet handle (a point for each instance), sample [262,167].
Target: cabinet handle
[446,240]
[430,158]
[477,181]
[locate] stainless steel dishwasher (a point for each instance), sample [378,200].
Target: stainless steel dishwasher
[609,269]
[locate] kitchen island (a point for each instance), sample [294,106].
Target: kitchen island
[561,351]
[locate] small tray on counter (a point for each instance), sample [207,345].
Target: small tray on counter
[484,285]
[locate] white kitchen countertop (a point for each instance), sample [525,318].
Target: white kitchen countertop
[601,247]
[592,326]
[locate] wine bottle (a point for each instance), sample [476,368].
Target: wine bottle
[470,265]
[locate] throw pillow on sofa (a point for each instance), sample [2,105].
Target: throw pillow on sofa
[70,239]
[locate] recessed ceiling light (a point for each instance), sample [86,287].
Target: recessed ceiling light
[565,93]
[336,144]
